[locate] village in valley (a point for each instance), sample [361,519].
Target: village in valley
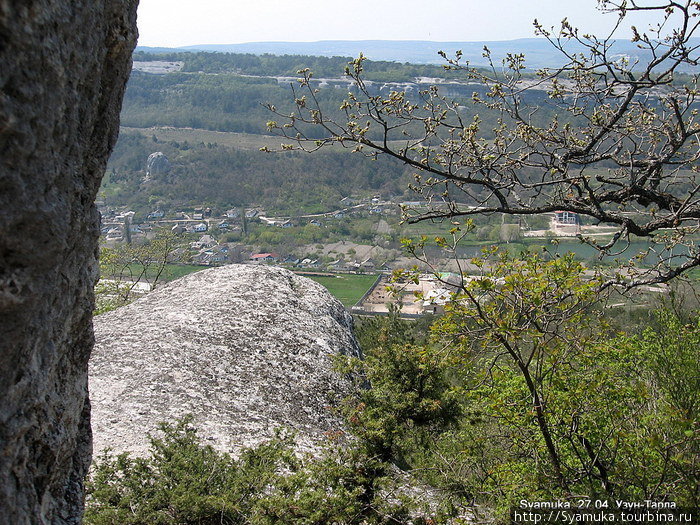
[202,238]
[229,193]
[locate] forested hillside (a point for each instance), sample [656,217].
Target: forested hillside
[228,93]
[223,177]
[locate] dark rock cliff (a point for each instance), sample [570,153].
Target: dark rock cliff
[63,68]
[245,349]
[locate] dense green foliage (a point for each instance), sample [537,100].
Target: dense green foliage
[183,481]
[410,400]
[551,400]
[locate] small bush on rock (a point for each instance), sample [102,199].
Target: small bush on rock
[183,482]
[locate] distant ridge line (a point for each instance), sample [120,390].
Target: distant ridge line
[538,51]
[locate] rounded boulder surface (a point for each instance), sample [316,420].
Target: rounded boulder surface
[245,349]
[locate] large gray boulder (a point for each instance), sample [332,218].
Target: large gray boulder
[245,349]
[63,68]
[157,164]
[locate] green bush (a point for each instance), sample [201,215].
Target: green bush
[525,391]
[183,482]
[521,390]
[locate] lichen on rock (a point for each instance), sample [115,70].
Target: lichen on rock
[63,70]
[245,349]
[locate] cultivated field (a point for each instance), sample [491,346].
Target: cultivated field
[348,289]
[241,141]
[229,139]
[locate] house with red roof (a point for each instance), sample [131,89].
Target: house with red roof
[265,257]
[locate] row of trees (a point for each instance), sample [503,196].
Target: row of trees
[288,65]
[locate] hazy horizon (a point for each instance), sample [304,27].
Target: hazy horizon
[409,40]
[182,23]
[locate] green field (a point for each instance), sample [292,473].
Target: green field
[348,289]
[175,271]
[229,139]
[170,273]
[244,141]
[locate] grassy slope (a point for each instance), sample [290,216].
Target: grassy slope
[175,271]
[241,141]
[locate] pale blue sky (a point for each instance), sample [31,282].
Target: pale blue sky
[186,22]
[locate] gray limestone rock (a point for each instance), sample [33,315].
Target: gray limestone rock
[157,164]
[63,68]
[245,349]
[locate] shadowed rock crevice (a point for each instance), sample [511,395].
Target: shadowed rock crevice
[63,68]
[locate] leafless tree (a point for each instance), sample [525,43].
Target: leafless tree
[622,147]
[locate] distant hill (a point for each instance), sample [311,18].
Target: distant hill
[539,53]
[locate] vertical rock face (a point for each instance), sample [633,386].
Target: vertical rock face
[63,67]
